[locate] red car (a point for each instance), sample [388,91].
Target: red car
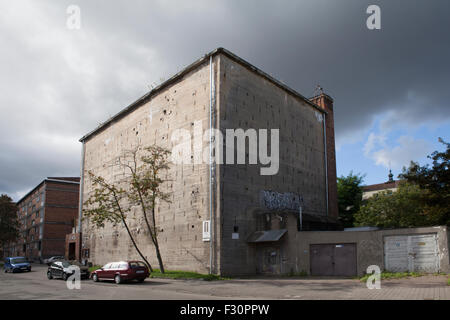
[122,271]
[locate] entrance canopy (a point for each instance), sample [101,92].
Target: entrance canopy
[266,236]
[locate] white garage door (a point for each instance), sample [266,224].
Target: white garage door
[415,253]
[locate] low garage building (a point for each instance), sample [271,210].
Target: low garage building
[349,253]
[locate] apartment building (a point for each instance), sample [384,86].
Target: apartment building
[46,214]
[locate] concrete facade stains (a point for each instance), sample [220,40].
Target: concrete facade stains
[243,97]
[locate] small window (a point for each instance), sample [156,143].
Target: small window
[107,266]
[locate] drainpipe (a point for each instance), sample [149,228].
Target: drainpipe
[211,224]
[80,201]
[326,158]
[300,214]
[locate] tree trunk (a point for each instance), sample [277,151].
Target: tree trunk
[158,255]
[134,243]
[153,235]
[155,240]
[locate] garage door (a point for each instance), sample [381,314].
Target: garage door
[413,253]
[333,259]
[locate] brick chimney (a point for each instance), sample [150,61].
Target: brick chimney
[325,102]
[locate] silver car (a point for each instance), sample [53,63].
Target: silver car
[50,260]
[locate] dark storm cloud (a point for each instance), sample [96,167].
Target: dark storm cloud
[59,84]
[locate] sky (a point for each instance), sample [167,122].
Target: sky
[390,86]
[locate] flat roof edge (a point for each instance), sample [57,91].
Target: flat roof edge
[42,182]
[146,97]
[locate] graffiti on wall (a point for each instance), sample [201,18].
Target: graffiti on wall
[273,200]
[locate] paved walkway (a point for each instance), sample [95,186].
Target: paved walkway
[35,285]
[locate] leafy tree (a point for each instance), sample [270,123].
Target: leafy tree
[349,197]
[9,224]
[388,209]
[140,186]
[106,204]
[145,187]
[435,182]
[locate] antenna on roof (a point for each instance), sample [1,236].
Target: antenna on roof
[318,90]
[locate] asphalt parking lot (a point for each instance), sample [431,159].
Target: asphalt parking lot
[35,285]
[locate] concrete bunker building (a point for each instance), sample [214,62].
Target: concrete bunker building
[225,219]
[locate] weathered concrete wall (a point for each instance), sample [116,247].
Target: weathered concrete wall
[244,100]
[247,101]
[176,107]
[326,102]
[369,245]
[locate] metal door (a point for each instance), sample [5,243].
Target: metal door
[345,259]
[396,253]
[268,260]
[333,259]
[321,257]
[413,253]
[423,253]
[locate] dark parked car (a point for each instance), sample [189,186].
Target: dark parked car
[16,264]
[62,269]
[122,271]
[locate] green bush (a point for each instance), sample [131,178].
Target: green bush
[93,268]
[393,275]
[177,274]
